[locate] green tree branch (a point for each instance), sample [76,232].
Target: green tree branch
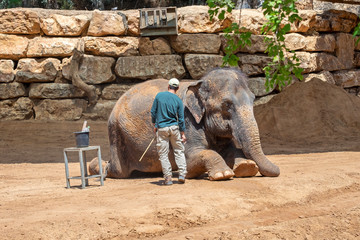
[283,65]
[234,38]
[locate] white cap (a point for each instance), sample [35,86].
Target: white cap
[174,82]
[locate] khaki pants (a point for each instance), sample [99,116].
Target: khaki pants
[163,136]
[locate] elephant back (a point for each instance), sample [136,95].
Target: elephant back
[132,110]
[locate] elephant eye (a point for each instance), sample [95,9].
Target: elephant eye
[226,104]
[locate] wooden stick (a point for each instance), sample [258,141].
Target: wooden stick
[146,149]
[84,126]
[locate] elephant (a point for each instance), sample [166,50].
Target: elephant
[222,133]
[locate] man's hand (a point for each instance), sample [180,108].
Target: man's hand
[183,137]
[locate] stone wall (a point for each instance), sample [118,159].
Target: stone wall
[36,47]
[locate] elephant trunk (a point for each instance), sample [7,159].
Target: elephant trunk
[246,132]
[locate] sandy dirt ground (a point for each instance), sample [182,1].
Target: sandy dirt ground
[316,196]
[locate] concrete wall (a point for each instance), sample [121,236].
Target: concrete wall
[36,47]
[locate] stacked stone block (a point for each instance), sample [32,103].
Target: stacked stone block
[36,46]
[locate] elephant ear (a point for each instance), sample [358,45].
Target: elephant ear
[193,101]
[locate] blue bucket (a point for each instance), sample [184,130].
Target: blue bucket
[82,139]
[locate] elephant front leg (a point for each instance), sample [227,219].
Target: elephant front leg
[241,166]
[208,161]
[245,168]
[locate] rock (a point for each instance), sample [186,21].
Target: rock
[93,69]
[308,61]
[51,47]
[65,68]
[335,21]
[312,62]
[150,67]
[257,44]
[295,41]
[353,91]
[55,90]
[308,21]
[107,23]
[60,25]
[11,90]
[67,109]
[322,43]
[60,78]
[253,64]
[196,43]
[199,64]
[357,59]
[112,46]
[133,22]
[158,46]
[324,76]
[37,70]
[101,111]
[315,62]
[196,19]
[19,21]
[347,78]
[321,24]
[115,91]
[345,49]
[7,73]
[357,46]
[264,99]
[19,109]
[251,20]
[322,5]
[343,21]
[328,62]
[257,86]
[13,47]
[304,5]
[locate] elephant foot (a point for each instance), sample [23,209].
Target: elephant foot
[221,175]
[246,168]
[94,167]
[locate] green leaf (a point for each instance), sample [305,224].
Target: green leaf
[222,15]
[287,28]
[297,72]
[210,3]
[357,41]
[233,61]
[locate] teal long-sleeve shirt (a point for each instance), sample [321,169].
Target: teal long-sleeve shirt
[168,110]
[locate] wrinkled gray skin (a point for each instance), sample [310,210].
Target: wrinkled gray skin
[223,138]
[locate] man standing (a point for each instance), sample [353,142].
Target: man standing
[167,115]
